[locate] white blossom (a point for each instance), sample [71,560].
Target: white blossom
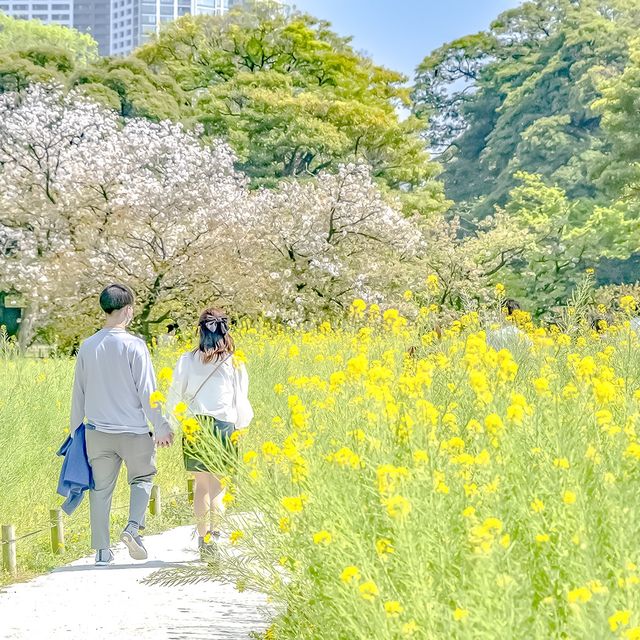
[86,199]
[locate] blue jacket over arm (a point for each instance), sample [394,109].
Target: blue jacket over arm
[75,476]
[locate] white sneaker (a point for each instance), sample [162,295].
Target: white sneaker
[104,557]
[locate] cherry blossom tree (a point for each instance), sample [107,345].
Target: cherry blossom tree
[49,145]
[172,231]
[323,242]
[86,198]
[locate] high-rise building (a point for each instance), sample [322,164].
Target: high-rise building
[94,17]
[118,26]
[211,7]
[56,11]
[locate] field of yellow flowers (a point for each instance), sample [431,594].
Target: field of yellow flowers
[400,482]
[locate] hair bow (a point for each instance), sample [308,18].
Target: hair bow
[220,323]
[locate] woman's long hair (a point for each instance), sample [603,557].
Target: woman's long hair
[215,340]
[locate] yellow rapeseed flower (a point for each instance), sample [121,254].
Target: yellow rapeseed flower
[561,463]
[579,595]
[293,504]
[236,536]
[155,398]
[180,409]
[322,538]
[369,590]
[350,574]
[628,304]
[384,547]
[619,618]
[460,614]
[398,507]
[358,307]
[537,505]
[294,351]
[393,608]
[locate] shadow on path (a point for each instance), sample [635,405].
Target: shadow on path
[153,564]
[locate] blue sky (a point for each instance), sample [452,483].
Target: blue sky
[400,33]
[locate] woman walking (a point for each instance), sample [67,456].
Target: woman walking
[214,390]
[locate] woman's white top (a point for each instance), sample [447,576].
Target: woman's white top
[224,396]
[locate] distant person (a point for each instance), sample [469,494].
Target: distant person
[215,391]
[508,336]
[114,380]
[170,336]
[510,306]
[599,324]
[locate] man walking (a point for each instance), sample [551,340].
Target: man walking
[114,379]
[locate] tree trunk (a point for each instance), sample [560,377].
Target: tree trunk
[27,329]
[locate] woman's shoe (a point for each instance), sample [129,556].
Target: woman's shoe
[208,546]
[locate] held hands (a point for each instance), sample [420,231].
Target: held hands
[164,441]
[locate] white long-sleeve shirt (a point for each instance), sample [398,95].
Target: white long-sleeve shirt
[224,396]
[114,379]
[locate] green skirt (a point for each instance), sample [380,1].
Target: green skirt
[221,455]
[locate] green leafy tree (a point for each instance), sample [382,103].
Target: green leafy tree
[18,35]
[618,171]
[128,86]
[295,99]
[20,68]
[518,98]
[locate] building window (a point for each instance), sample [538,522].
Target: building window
[60,7]
[59,16]
[40,7]
[21,7]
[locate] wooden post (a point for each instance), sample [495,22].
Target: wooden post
[155,503]
[190,490]
[57,531]
[8,543]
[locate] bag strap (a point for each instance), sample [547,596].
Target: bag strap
[193,396]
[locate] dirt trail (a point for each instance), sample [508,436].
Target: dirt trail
[82,602]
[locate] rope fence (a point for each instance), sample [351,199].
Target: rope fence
[55,527]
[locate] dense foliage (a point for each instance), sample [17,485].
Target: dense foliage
[465,491]
[520,96]
[534,119]
[533,122]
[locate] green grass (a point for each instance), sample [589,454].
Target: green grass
[35,398]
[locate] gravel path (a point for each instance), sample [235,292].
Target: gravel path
[82,602]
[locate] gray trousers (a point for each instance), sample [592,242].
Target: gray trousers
[106,452]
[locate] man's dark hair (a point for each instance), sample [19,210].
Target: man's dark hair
[115,297]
